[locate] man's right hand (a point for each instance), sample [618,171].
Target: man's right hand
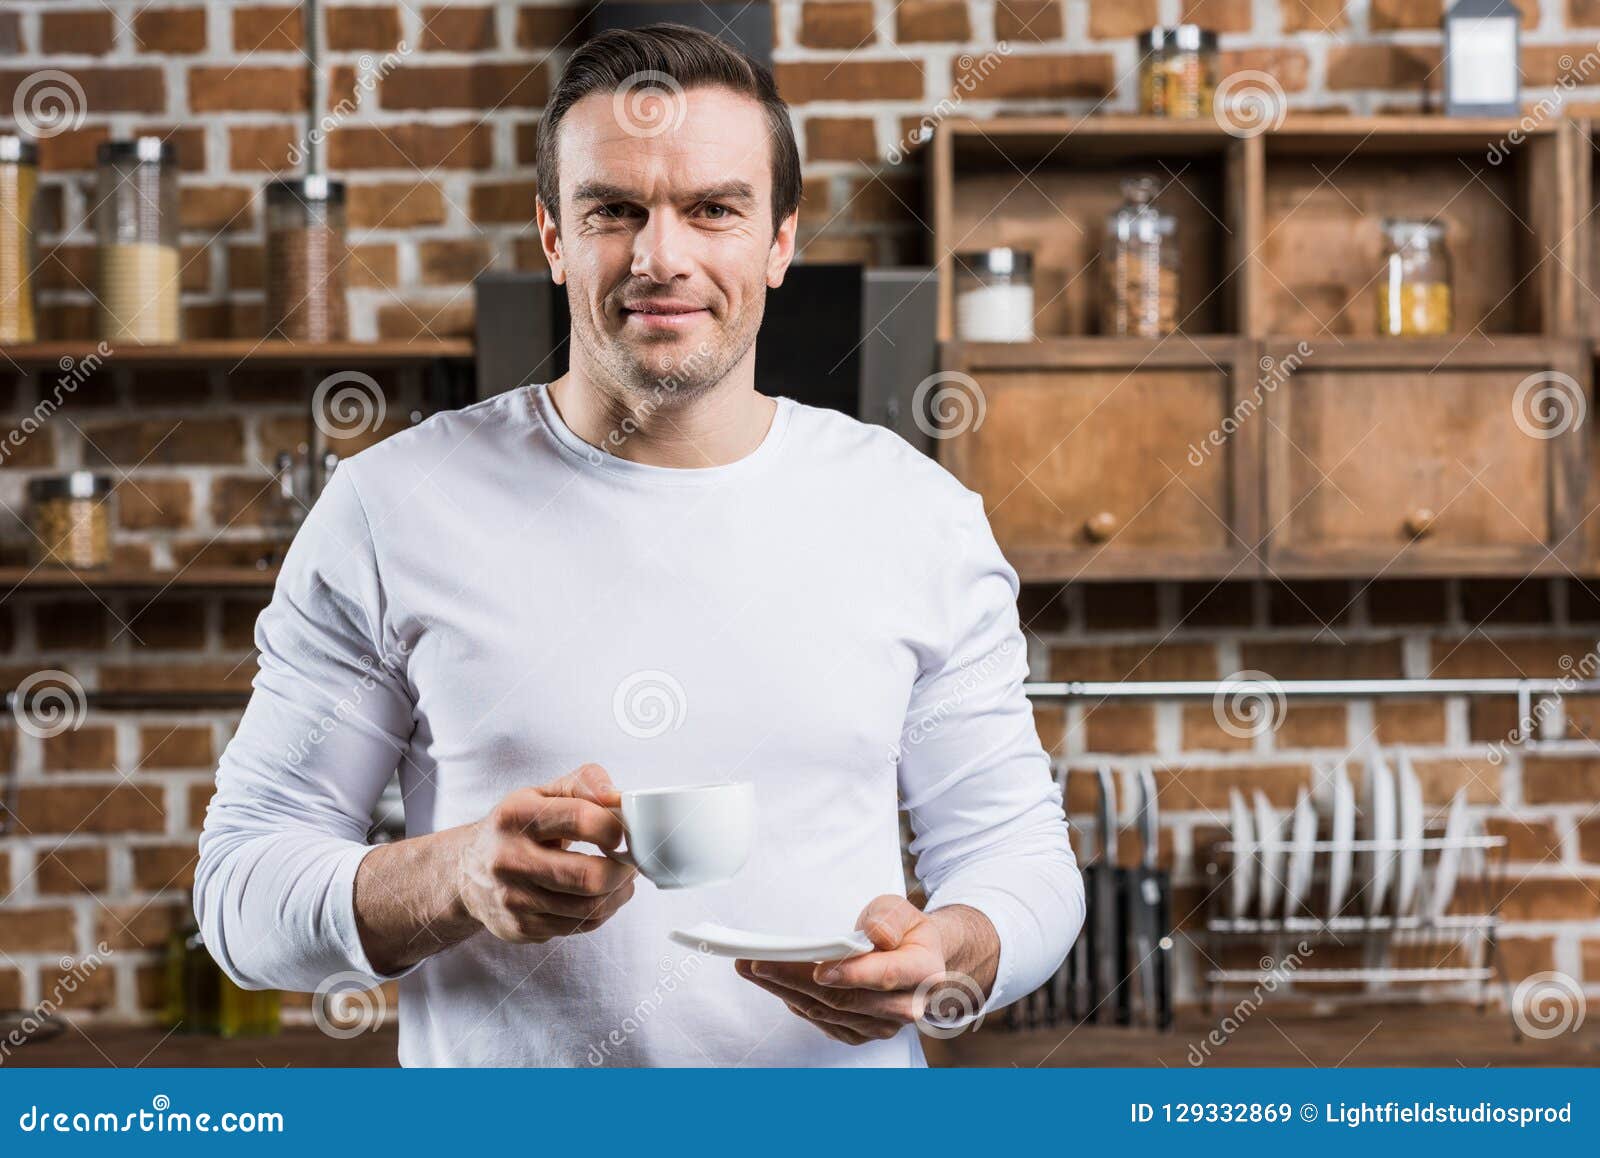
[518,878]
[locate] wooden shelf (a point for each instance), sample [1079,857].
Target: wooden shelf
[244,351]
[113,578]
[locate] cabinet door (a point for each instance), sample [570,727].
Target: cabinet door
[1102,458]
[1437,457]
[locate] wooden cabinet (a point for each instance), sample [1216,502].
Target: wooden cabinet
[1109,458]
[1434,457]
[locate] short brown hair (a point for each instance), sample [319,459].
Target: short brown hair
[691,59]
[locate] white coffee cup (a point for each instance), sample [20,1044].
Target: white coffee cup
[682,837]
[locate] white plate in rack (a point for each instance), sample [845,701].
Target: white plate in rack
[1380,823]
[1302,855]
[1241,882]
[1269,866]
[1445,872]
[1411,832]
[1343,832]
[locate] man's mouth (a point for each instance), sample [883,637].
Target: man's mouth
[662,314]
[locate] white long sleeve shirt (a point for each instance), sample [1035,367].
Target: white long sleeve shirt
[487,602]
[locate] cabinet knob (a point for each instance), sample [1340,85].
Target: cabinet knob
[1100,527]
[1420,523]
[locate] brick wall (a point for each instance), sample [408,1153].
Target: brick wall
[439,157]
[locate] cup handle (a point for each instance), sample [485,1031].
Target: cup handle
[620,855]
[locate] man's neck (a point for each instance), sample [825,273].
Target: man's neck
[720,426]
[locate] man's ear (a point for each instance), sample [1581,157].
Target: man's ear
[550,241]
[782,252]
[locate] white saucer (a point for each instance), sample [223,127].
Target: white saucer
[721,941]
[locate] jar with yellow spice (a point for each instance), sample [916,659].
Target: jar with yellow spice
[19,182]
[1177,71]
[1414,288]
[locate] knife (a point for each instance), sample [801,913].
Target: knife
[1104,949]
[1151,905]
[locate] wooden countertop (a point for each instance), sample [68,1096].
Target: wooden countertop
[1374,1035]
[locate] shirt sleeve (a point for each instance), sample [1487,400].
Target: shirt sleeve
[328,721]
[986,817]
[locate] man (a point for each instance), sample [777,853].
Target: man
[644,574]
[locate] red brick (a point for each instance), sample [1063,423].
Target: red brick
[1443,777]
[159,867]
[241,88]
[1112,662]
[480,86]
[69,871]
[1409,721]
[1556,779]
[105,90]
[1307,725]
[1121,19]
[841,139]
[158,442]
[138,926]
[1304,660]
[1028,20]
[1479,655]
[216,208]
[173,31]
[1313,15]
[178,676]
[1526,840]
[154,504]
[466,29]
[89,748]
[542,27]
[1086,76]
[86,32]
[261,29]
[1203,732]
[932,21]
[1561,898]
[267,148]
[70,625]
[452,261]
[1354,66]
[10,979]
[837,25]
[1191,789]
[1112,728]
[1218,15]
[801,82]
[354,29]
[502,201]
[462,146]
[1524,956]
[395,205]
[81,809]
[51,930]
[91,987]
[1589,840]
[169,624]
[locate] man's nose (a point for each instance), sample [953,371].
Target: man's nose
[661,248]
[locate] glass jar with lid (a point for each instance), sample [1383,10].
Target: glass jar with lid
[136,222]
[1139,286]
[19,185]
[306,258]
[994,295]
[71,520]
[1177,71]
[1414,290]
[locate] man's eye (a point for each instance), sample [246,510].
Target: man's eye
[716,212]
[611,212]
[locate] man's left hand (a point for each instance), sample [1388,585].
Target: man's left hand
[877,994]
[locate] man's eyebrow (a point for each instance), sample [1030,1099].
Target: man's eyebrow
[604,191]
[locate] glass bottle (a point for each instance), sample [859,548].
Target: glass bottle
[136,223]
[1414,293]
[19,186]
[1139,294]
[306,259]
[994,296]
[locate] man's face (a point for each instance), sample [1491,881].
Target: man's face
[665,242]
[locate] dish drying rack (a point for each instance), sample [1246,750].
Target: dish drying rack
[1466,935]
